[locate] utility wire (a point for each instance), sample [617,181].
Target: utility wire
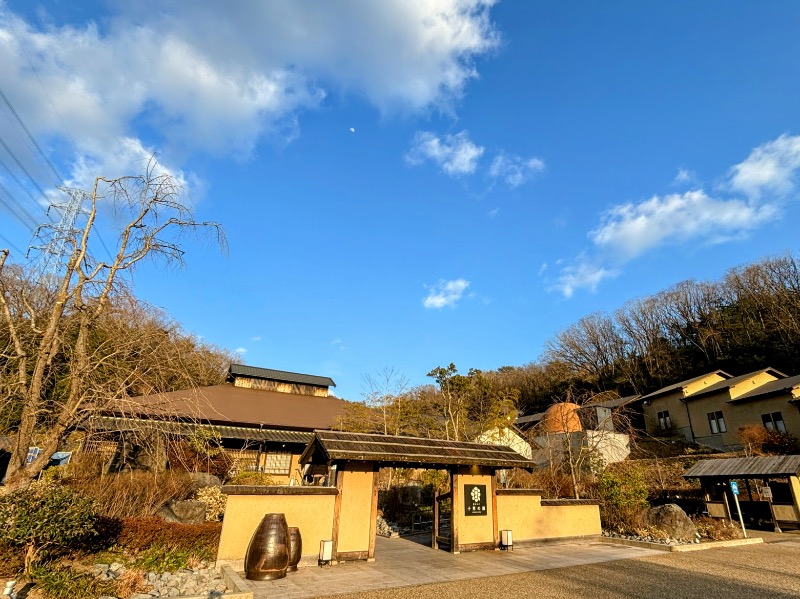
[11,244]
[16,208]
[31,138]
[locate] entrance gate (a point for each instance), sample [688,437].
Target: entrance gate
[442,521]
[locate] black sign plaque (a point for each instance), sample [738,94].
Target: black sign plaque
[475,500]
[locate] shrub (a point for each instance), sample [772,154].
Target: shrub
[247,477]
[133,494]
[623,497]
[757,440]
[47,518]
[215,501]
[198,540]
[12,560]
[716,529]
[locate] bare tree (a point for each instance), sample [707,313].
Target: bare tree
[384,391]
[66,312]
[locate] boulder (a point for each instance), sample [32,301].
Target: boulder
[185,512]
[671,520]
[203,479]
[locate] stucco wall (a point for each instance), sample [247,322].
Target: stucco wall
[354,514]
[312,513]
[677,414]
[529,520]
[474,529]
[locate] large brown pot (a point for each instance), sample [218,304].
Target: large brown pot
[268,552]
[295,548]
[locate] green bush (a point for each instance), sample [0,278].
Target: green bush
[623,497]
[46,519]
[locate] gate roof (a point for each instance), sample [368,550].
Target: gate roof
[753,467]
[328,446]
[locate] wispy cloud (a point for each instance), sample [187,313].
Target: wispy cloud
[684,176]
[256,338]
[771,167]
[339,344]
[455,154]
[581,275]
[515,170]
[241,350]
[629,230]
[445,294]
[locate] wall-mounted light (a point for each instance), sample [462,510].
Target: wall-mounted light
[325,553]
[506,540]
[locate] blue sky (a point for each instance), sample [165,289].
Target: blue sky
[409,184]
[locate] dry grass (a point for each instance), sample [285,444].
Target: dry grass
[132,494]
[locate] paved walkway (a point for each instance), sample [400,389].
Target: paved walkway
[402,562]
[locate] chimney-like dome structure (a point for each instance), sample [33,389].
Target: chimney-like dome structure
[561,418]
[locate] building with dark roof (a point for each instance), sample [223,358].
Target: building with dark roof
[264,418]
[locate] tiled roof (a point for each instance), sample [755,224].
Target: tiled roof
[784,465]
[727,384]
[280,375]
[387,449]
[771,388]
[229,405]
[676,386]
[111,423]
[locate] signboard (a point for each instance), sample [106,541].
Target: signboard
[766,492]
[734,487]
[475,500]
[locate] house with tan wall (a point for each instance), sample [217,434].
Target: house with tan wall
[710,409]
[665,412]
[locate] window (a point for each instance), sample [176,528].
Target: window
[773,422]
[717,423]
[664,422]
[278,462]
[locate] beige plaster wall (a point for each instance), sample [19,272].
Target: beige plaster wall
[529,520]
[474,529]
[313,514]
[354,514]
[677,414]
[750,412]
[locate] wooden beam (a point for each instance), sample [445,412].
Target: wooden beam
[373,513]
[455,493]
[495,534]
[435,532]
[337,510]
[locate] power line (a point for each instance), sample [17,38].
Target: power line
[17,208]
[31,138]
[11,244]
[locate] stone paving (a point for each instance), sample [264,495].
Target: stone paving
[402,562]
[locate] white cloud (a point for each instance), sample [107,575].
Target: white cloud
[771,167]
[581,275]
[629,230]
[339,344]
[515,170]
[256,338]
[493,212]
[214,78]
[240,350]
[445,293]
[684,176]
[455,154]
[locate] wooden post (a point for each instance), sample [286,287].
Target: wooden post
[495,534]
[435,518]
[337,508]
[455,493]
[373,513]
